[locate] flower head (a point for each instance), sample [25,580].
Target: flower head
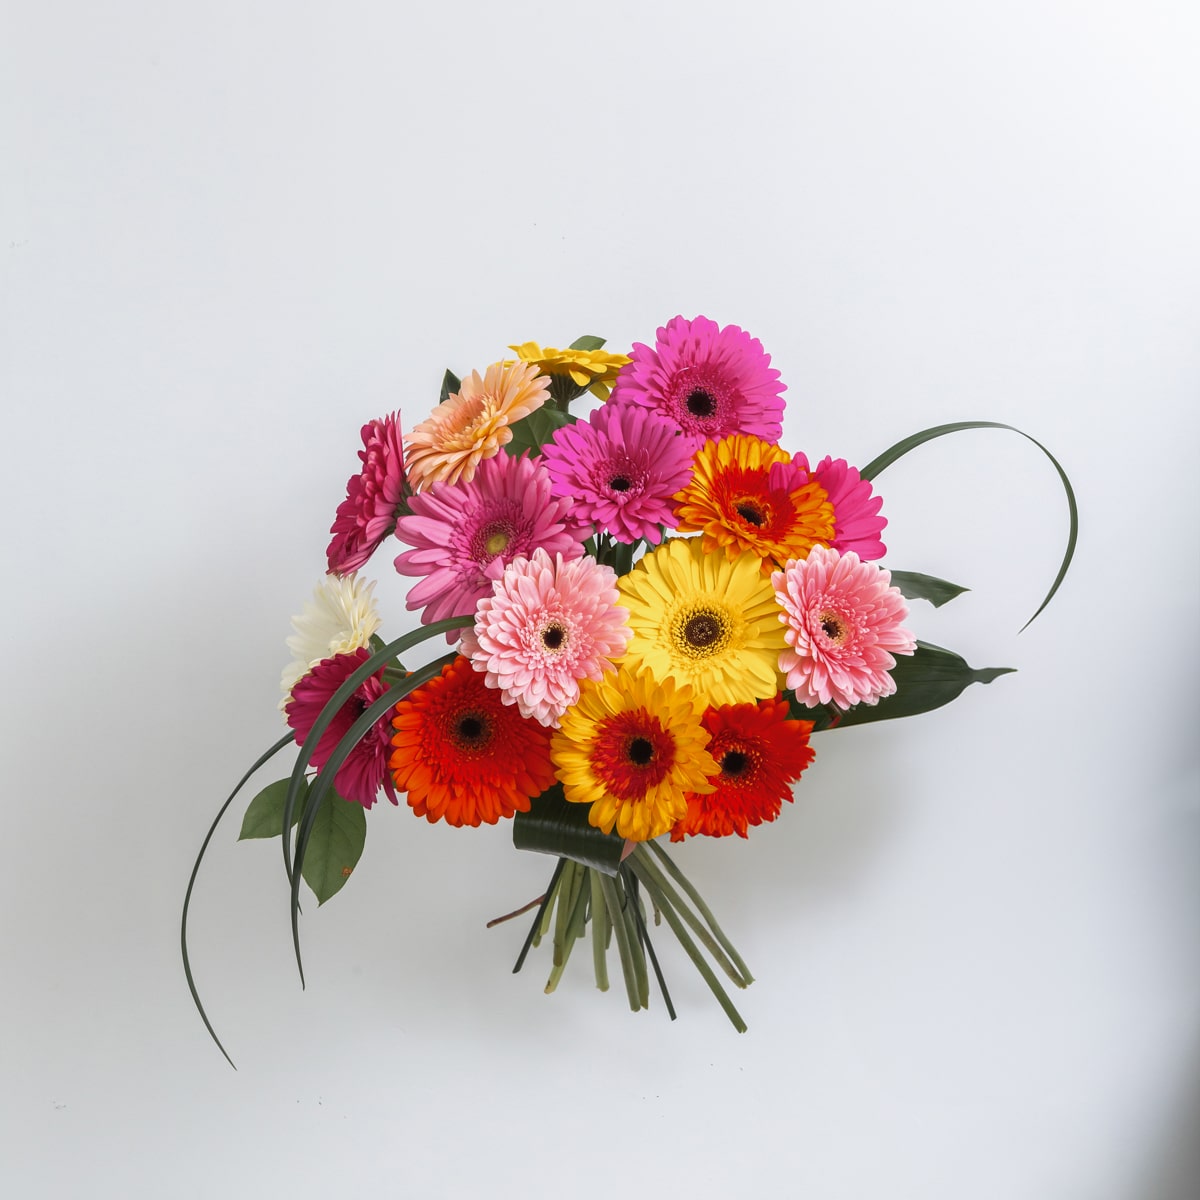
[748,494]
[856,520]
[365,771]
[703,620]
[588,370]
[547,625]
[464,756]
[632,748]
[373,496]
[710,382]
[620,468]
[761,754]
[843,627]
[472,424]
[465,534]
[339,619]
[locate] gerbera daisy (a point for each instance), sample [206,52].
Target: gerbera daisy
[373,496]
[472,424]
[761,754]
[465,534]
[463,755]
[586,370]
[547,625]
[339,619]
[856,520]
[632,748]
[843,627]
[703,620]
[747,494]
[620,469]
[710,382]
[365,771]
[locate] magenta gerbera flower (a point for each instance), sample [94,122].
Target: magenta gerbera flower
[709,382]
[365,771]
[547,625]
[856,520]
[368,513]
[464,534]
[843,627]
[620,469]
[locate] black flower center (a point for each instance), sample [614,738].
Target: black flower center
[735,763]
[619,483]
[831,627]
[700,403]
[752,513]
[472,729]
[641,751]
[702,630]
[553,636]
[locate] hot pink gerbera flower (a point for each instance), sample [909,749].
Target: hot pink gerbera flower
[547,625]
[368,513]
[709,382]
[465,534]
[843,627]
[366,769]
[620,469]
[856,520]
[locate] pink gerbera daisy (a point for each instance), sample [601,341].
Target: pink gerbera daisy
[843,627]
[856,520]
[547,625]
[373,496]
[710,382]
[620,468]
[465,534]
[360,777]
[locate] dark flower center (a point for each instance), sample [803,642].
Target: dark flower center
[702,630]
[619,483]
[832,628]
[752,513]
[735,763]
[553,636]
[641,751]
[472,729]
[700,403]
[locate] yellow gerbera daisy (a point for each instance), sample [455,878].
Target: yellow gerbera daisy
[472,424]
[588,370]
[704,620]
[747,494]
[633,749]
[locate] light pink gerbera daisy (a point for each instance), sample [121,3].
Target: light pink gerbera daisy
[856,520]
[368,513]
[709,382]
[465,534]
[547,625]
[365,771]
[621,468]
[474,423]
[843,627]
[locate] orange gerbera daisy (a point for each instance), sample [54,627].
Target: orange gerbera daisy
[465,756]
[747,494]
[761,753]
[473,423]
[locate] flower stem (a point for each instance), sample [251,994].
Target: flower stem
[613,900]
[600,931]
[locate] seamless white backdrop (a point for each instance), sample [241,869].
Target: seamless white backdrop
[231,233]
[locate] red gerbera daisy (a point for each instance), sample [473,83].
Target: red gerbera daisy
[761,753]
[465,756]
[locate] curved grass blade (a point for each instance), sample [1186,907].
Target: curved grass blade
[187,899]
[915,586]
[554,825]
[334,706]
[902,447]
[324,779]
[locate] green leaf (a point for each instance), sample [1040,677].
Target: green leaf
[925,680]
[534,431]
[903,446]
[587,342]
[926,587]
[264,814]
[553,825]
[334,845]
[450,383]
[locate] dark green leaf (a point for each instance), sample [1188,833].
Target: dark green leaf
[587,342]
[264,815]
[334,845]
[532,432]
[553,825]
[926,587]
[450,383]
[902,447]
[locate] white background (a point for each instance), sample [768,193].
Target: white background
[230,233]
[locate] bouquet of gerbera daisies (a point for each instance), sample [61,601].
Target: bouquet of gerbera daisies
[651,609]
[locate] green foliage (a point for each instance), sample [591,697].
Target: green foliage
[450,383]
[926,587]
[534,431]
[335,845]
[264,815]
[553,825]
[587,342]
